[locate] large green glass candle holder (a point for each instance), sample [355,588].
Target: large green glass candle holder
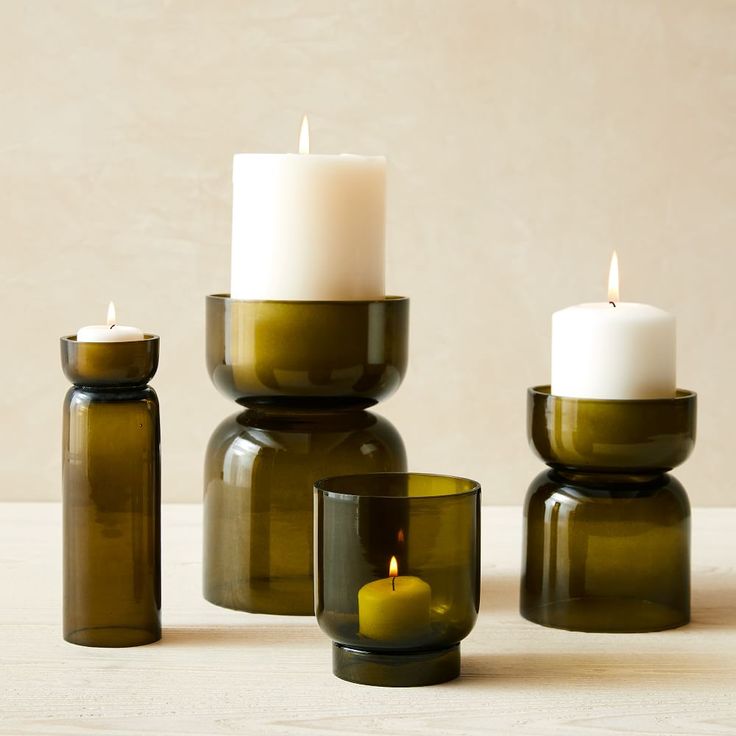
[397,574]
[306,371]
[111,494]
[607,529]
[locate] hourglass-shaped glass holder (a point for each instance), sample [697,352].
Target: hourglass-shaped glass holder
[305,371]
[607,529]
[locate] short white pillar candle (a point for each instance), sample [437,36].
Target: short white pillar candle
[613,350]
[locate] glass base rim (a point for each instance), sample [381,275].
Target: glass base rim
[396,669]
[540,615]
[127,636]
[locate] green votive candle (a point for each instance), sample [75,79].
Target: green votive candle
[111,493]
[397,574]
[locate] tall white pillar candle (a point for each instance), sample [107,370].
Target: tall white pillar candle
[613,350]
[111,332]
[308,227]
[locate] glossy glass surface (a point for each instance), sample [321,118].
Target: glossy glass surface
[609,557]
[111,501]
[258,503]
[607,532]
[307,354]
[390,632]
[109,363]
[607,435]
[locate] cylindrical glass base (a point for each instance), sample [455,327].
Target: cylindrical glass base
[258,503]
[396,669]
[606,554]
[112,508]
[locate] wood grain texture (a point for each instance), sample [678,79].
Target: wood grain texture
[223,672]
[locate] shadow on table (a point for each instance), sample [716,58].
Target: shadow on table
[228,635]
[499,593]
[599,668]
[715,606]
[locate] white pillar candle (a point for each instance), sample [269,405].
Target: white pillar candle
[308,227]
[110,332]
[613,350]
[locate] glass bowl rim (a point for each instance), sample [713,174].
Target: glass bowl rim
[391,299]
[545,391]
[473,487]
[147,337]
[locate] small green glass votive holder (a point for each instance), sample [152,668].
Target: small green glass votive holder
[607,529]
[397,574]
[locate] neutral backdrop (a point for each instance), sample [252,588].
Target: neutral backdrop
[525,140]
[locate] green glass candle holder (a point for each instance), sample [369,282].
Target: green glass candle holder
[607,529]
[306,371]
[258,500]
[307,355]
[111,494]
[397,574]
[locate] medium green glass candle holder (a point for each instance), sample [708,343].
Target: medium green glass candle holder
[397,574]
[111,494]
[607,529]
[306,371]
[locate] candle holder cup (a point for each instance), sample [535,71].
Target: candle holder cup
[309,356]
[111,494]
[397,574]
[607,529]
[305,371]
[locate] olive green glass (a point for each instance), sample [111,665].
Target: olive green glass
[111,494]
[400,627]
[607,532]
[338,354]
[258,502]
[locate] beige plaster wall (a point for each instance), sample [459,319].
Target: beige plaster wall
[526,140]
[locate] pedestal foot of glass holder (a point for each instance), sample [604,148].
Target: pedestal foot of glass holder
[396,669]
[607,529]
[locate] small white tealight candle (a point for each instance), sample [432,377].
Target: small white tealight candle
[111,332]
[613,350]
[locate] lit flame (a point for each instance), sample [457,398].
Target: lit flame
[400,535]
[111,314]
[613,295]
[393,568]
[304,136]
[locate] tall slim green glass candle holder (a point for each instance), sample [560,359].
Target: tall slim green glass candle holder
[111,494]
[306,372]
[397,574]
[607,529]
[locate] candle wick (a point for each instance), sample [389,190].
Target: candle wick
[393,582]
[112,325]
[613,304]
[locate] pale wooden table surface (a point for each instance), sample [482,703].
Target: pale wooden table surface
[222,672]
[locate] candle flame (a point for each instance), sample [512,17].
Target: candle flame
[111,314]
[393,568]
[613,293]
[400,536]
[304,136]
